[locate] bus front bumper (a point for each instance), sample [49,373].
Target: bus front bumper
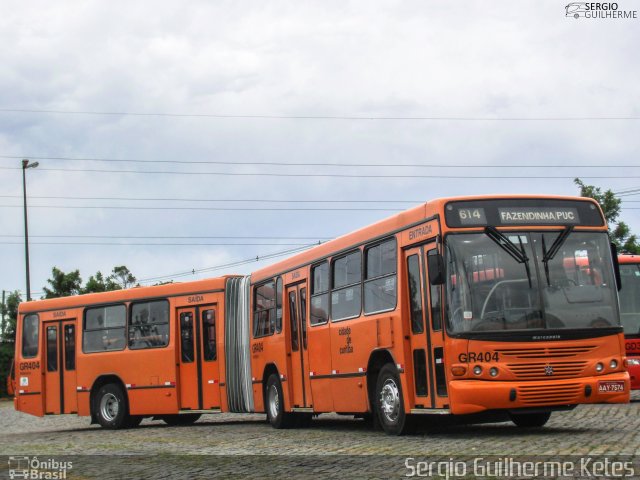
[473,396]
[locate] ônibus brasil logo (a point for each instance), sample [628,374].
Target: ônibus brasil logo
[598,10]
[32,468]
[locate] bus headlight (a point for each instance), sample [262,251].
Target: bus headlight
[613,364]
[477,369]
[599,367]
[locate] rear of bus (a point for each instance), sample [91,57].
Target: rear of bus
[630,313]
[531,306]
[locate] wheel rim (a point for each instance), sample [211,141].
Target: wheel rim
[274,401]
[390,400]
[109,406]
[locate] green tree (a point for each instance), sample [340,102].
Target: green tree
[63,284]
[9,312]
[98,283]
[619,232]
[123,277]
[10,316]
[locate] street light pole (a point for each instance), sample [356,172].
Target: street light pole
[25,165]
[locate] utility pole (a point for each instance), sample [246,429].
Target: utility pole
[25,165]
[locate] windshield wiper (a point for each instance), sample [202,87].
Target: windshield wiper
[508,246]
[555,246]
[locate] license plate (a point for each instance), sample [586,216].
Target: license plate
[611,386]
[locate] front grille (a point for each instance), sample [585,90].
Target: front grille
[545,352]
[546,370]
[565,394]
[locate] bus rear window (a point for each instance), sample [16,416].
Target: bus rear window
[30,336]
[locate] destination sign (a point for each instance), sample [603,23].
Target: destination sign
[540,215]
[472,216]
[522,211]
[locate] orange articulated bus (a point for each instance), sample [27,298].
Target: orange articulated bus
[630,313]
[460,306]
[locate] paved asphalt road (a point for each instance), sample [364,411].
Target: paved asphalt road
[246,446]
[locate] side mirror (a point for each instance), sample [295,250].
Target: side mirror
[616,265]
[435,263]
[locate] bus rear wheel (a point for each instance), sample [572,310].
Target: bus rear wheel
[530,420]
[181,420]
[112,411]
[389,402]
[274,402]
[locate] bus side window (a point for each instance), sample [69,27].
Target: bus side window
[415,297]
[434,295]
[30,327]
[319,294]
[209,334]
[52,349]
[69,347]
[186,337]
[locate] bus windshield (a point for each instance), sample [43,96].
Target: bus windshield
[630,298]
[529,280]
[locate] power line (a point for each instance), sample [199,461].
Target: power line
[331,175]
[312,164]
[190,237]
[219,209]
[236,263]
[122,244]
[322,117]
[256,200]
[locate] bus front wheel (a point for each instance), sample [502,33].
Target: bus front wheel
[390,402]
[276,415]
[111,407]
[530,420]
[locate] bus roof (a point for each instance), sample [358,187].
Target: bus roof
[136,293]
[390,224]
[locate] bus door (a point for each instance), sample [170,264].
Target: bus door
[433,297]
[297,346]
[427,339]
[60,367]
[199,375]
[420,352]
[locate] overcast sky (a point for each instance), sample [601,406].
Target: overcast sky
[200,61]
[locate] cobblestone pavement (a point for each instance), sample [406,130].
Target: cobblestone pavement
[587,430]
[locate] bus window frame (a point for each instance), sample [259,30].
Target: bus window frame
[129,315]
[38,323]
[253,310]
[326,292]
[343,287]
[278,296]
[104,305]
[363,274]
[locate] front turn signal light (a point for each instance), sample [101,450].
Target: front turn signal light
[458,371]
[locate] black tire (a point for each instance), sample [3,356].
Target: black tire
[274,405]
[111,407]
[389,402]
[530,420]
[181,420]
